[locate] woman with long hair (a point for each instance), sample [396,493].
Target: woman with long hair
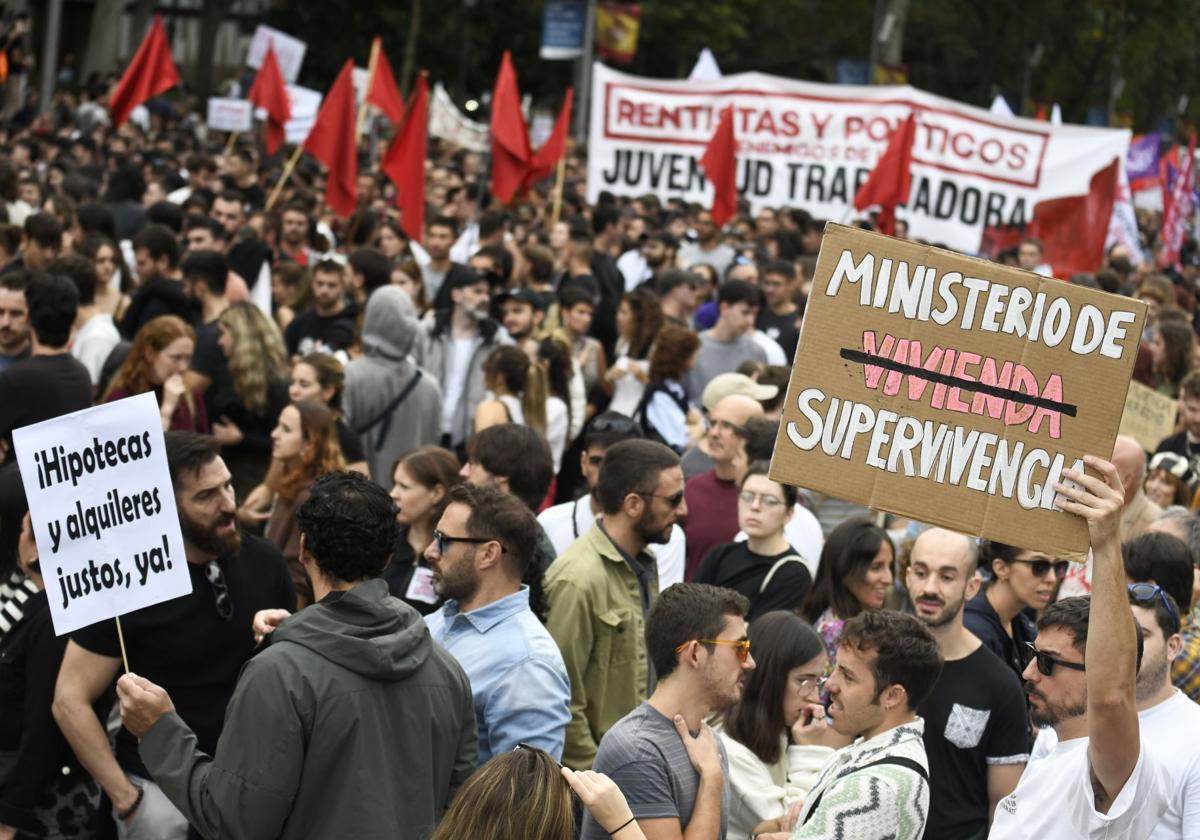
[158,359]
[664,411]
[321,377]
[521,395]
[554,359]
[522,795]
[110,269]
[775,736]
[290,292]
[1172,350]
[392,240]
[244,410]
[1020,580]
[304,447]
[639,319]
[854,574]
[407,275]
[763,567]
[421,483]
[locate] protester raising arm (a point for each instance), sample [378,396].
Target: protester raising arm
[1111,655]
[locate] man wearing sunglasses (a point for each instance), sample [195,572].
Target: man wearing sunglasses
[665,759]
[1102,779]
[481,550]
[976,726]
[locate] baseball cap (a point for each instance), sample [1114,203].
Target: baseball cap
[529,296]
[728,384]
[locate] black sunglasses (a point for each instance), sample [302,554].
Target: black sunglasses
[1046,662]
[443,541]
[1145,593]
[615,424]
[1041,565]
[673,500]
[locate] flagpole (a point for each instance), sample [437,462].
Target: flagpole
[287,173]
[371,63]
[233,136]
[559,177]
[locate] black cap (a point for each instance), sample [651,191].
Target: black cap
[529,296]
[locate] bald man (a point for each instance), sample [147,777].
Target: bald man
[714,522]
[976,731]
[1139,512]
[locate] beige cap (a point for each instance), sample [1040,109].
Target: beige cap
[728,384]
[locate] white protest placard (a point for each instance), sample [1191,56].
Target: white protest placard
[103,511]
[304,104]
[289,51]
[448,123]
[226,114]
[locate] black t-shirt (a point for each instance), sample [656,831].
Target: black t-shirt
[735,566]
[309,332]
[186,647]
[399,574]
[975,717]
[782,328]
[352,448]
[42,387]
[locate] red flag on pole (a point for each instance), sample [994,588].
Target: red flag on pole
[404,161]
[383,92]
[548,156]
[1178,208]
[268,92]
[332,142]
[891,180]
[150,72]
[720,167]
[510,137]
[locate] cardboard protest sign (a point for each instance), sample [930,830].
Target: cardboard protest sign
[1149,416]
[226,114]
[103,511]
[289,51]
[953,390]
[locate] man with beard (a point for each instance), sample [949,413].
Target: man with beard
[976,729]
[523,311]
[329,326]
[1101,780]
[14,319]
[441,274]
[194,646]
[295,230]
[662,755]
[482,548]
[600,591]
[878,787]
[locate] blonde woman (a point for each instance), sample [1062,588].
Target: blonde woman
[243,409]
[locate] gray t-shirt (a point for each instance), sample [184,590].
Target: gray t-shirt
[695,462]
[717,357]
[642,753]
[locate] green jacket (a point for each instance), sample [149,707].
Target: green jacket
[352,723]
[596,619]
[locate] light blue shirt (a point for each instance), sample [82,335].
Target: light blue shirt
[518,680]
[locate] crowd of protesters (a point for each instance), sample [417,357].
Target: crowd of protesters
[482,522]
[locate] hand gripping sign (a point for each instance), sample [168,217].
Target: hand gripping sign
[103,511]
[953,390]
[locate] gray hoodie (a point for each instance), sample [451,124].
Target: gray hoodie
[353,723]
[376,381]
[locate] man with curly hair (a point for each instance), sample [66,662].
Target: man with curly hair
[327,723]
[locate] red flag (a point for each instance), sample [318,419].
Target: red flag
[404,161]
[720,167]
[510,137]
[382,92]
[269,93]
[332,142]
[890,181]
[1178,208]
[149,73]
[1072,230]
[551,152]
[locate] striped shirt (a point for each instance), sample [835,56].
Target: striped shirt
[884,802]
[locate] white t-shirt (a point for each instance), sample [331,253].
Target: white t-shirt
[456,379]
[569,521]
[93,343]
[803,533]
[1054,799]
[557,422]
[627,391]
[1163,727]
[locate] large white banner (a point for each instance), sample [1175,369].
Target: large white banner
[810,145]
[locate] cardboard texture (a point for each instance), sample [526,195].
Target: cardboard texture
[953,390]
[1149,416]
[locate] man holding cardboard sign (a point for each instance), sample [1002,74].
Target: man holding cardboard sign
[195,642]
[952,390]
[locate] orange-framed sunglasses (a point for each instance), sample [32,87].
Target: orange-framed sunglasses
[742,646]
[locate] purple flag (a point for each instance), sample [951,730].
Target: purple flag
[1141,162]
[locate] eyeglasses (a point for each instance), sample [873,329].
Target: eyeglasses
[1040,566]
[812,681]
[1046,662]
[742,646]
[443,541]
[1146,592]
[769,502]
[673,500]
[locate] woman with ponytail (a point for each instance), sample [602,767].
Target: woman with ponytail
[521,394]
